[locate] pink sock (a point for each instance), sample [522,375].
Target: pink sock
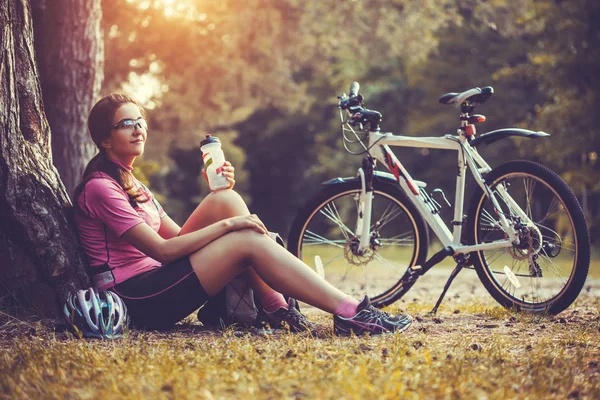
[347,308]
[273,301]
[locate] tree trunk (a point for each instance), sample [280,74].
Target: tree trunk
[70,56]
[40,258]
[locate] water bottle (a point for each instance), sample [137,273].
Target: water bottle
[213,158]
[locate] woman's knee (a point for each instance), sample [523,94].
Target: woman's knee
[226,203]
[239,247]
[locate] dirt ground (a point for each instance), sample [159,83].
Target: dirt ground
[469,310]
[472,348]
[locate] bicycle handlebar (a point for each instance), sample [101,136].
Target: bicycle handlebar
[354,89]
[360,115]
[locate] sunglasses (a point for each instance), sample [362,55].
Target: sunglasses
[131,124]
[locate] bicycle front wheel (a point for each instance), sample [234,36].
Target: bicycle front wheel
[546,271]
[323,236]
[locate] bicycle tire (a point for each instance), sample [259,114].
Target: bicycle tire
[536,280]
[408,239]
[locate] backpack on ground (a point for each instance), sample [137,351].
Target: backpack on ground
[235,304]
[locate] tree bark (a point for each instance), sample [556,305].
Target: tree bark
[40,258]
[70,56]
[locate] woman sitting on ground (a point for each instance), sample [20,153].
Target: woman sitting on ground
[164,272]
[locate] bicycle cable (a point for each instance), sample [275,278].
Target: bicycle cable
[345,140]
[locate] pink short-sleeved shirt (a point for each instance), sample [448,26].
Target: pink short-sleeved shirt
[105,214]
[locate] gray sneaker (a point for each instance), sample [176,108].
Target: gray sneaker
[370,319]
[290,318]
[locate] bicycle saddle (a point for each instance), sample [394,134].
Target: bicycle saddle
[474,96]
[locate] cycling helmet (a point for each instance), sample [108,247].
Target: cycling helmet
[96,313]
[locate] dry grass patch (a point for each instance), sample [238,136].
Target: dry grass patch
[472,349]
[466,352]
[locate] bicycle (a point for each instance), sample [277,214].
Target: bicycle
[524,233]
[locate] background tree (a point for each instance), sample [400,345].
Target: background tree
[263,75]
[41,261]
[70,58]
[209,66]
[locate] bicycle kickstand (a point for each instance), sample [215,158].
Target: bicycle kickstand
[460,264]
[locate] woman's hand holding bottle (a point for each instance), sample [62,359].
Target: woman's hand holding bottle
[228,171]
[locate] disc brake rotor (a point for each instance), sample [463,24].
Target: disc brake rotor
[352,255]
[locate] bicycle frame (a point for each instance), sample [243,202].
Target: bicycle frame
[379,149]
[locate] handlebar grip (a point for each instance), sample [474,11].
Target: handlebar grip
[354,89]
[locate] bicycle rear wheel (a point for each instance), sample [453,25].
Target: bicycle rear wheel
[322,236]
[547,270]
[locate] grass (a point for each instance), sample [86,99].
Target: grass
[469,350]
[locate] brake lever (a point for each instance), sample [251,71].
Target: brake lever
[343,101]
[346,102]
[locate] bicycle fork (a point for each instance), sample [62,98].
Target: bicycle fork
[365,203]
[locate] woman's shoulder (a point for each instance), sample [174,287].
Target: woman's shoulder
[101,182]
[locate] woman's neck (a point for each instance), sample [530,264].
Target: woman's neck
[125,164]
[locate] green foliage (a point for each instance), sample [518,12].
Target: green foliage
[269,71]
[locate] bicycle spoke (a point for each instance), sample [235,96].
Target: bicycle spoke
[333,215]
[387,216]
[553,268]
[329,234]
[505,281]
[495,256]
[490,220]
[554,208]
[314,238]
[329,262]
[529,185]
[555,257]
[405,239]
[398,269]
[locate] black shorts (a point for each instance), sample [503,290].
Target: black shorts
[159,298]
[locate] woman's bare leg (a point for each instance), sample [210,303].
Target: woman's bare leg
[223,259]
[216,207]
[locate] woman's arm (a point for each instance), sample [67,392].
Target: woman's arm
[168,228]
[149,242]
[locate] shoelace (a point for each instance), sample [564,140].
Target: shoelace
[378,315]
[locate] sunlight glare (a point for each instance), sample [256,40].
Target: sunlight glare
[146,88]
[154,67]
